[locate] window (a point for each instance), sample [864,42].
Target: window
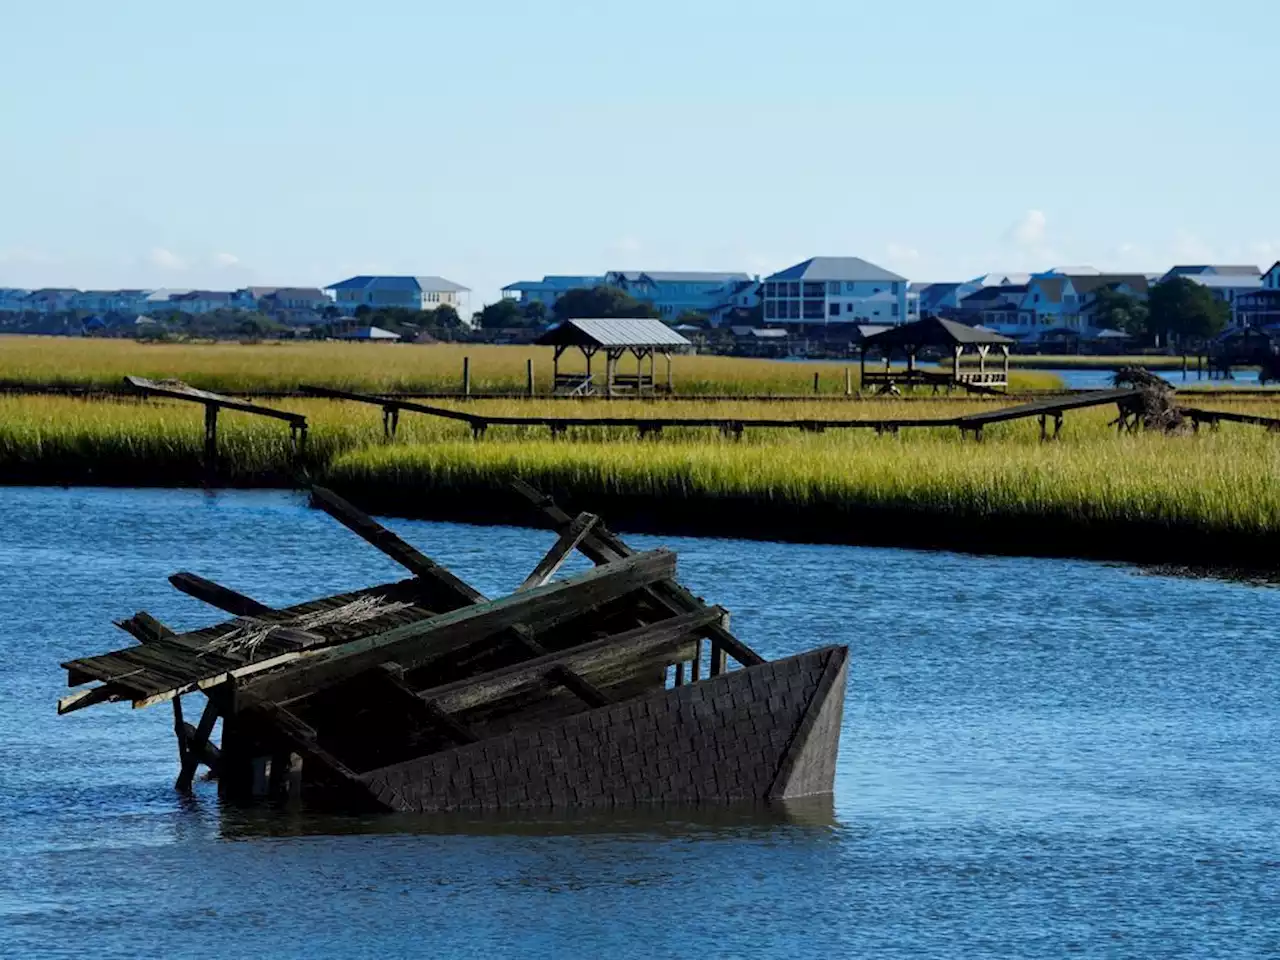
[814,289]
[793,289]
[833,288]
[770,289]
[833,310]
[875,290]
[896,288]
[770,309]
[1036,298]
[894,311]
[794,309]
[848,308]
[850,287]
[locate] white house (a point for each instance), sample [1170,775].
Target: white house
[549,289]
[1261,307]
[673,292]
[1271,279]
[207,301]
[1054,300]
[158,301]
[825,290]
[412,293]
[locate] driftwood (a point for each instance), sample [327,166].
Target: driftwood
[569,691]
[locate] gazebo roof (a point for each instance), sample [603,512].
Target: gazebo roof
[613,332]
[936,332]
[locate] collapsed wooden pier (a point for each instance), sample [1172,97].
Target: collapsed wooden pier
[609,687]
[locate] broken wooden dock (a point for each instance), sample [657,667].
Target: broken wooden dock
[609,687]
[1052,408]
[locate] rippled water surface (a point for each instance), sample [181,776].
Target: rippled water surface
[1039,757]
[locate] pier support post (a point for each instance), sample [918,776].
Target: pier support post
[815,382]
[528,370]
[466,376]
[210,443]
[848,382]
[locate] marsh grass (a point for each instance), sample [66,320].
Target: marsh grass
[282,367]
[836,485]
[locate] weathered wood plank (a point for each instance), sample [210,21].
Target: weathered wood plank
[218,596]
[602,546]
[180,391]
[598,656]
[87,698]
[573,535]
[195,746]
[403,553]
[145,628]
[416,643]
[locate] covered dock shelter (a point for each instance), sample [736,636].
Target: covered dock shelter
[944,336]
[642,337]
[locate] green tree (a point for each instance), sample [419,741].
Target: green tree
[501,315]
[600,302]
[444,317]
[1183,309]
[535,313]
[1121,311]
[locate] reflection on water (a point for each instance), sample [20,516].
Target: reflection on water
[1038,757]
[816,814]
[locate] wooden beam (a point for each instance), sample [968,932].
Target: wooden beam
[183,392]
[601,546]
[145,628]
[581,688]
[403,553]
[218,596]
[87,698]
[414,644]
[391,676]
[302,737]
[573,535]
[595,657]
[195,746]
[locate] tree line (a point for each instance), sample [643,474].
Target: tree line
[1177,310]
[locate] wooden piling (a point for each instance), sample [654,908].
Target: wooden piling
[210,443]
[528,369]
[466,376]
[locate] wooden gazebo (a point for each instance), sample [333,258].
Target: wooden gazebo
[643,337]
[942,335]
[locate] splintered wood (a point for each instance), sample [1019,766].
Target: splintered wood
[425,695]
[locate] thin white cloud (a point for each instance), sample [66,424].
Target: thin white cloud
[901,252]
[226,259]
[165,259]
[626,245]
[1030,230]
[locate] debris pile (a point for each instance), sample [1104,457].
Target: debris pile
[611,687]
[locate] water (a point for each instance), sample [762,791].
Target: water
[1039,758]
[1076,379]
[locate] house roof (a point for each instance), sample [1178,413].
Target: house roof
[369,333]
[294,293]
[935,332]
[1002,279]
[1211,269]
[1088,283]
[837,268]
[425,284]
[554,282]
[613,332]
[680,276]
[1229,281]
[1050,287]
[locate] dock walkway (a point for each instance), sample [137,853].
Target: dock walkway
[653,426]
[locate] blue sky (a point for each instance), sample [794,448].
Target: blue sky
[179,144]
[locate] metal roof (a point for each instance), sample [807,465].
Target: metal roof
[935,332]
[424,284]
[613,332]
[838,268]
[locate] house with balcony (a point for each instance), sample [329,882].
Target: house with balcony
[997,308]
[411,293]
[292,305]
[830,290]
[673,292]
[1227,282]
[549,289]
[1261,307]
[198,302]
[1063,301]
